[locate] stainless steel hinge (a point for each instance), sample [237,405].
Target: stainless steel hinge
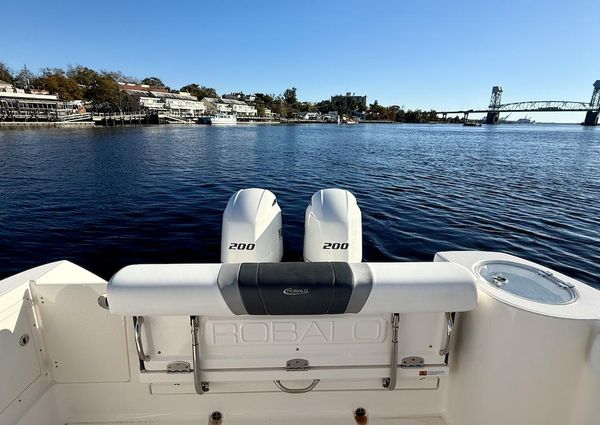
[179,367]
[412,362]
[296,364]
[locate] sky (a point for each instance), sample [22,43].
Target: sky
[418,54]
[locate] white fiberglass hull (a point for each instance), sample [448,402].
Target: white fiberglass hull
[65,359]
[223,120]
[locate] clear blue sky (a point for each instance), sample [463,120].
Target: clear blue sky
[420,54]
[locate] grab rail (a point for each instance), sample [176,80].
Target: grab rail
[139,321]
[449,327]
[201,387]
[390,383]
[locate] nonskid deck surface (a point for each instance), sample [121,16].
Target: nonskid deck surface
[432,420]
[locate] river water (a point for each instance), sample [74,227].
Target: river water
[107,197]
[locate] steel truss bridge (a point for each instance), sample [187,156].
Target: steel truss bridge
[534,106]
[591,108]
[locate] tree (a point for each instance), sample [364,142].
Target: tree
[24,79]
[199,91]
[104,93]
[290,98]
[118,76]
[82,75]
[153,81]
[324,106]
[56,81]
[5,73]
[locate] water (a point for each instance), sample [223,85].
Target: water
[105,198]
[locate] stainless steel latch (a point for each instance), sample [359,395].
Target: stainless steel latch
[550,276]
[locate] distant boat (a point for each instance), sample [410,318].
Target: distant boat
[525,120]
[472,124]
[219,119]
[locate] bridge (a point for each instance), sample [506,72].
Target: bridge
[496,107]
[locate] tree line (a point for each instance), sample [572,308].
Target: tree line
[100,90]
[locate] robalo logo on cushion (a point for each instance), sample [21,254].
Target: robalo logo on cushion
[295,291]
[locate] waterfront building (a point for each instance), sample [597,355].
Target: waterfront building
[228,106]
[181,103]
[4,85]
[158,99]
[349,101]
[141,87]
[21,105]
[214,106]
[240,96]
[308,116]
[331,116]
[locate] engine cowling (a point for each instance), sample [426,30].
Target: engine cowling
[252,230]
[333,227]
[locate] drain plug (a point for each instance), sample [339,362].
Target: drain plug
[360,416]
[216,418]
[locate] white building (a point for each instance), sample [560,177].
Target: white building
[215,105]
[18,104]
[5,85]
[160,100]
[181,103]
[331,116]
[229,106]
[309,115]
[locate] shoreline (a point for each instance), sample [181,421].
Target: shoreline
[4,125]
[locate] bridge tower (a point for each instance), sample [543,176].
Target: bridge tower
[495,102]
[591,117]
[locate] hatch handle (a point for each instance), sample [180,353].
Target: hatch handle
[296,390]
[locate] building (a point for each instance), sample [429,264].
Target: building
[349,102]
[240,96]
[4,85]
[159,99]
[308,116]
[181,103]
[25,105]
[229,106]
[331,116]
[141,87]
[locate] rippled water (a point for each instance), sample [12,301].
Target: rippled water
[105,198]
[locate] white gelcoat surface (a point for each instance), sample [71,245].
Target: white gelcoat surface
[508,364]
[167,289]
[333,227]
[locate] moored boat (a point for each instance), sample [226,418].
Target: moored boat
[219,119]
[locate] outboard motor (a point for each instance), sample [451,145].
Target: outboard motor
[333,227]
[251,231]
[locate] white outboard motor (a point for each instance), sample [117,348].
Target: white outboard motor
[333,227]
[251,230]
